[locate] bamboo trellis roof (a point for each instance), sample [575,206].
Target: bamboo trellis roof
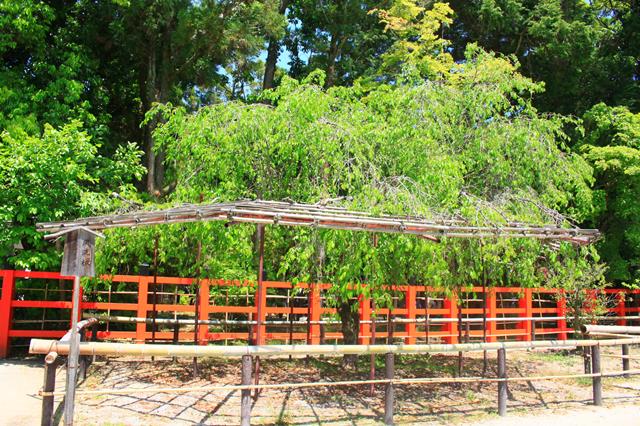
[320,216]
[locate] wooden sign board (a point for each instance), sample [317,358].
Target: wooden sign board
[79,253]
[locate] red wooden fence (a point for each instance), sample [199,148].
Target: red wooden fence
[513,308]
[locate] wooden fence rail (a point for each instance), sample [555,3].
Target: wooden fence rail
[227,310]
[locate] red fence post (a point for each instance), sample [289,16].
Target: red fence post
[261,299]
[8,289]
[562,323]
[143,299]
[492,312]
[622,309]
[203,312]
[525,303]
[410,302]
[365,315]
[316,308]
[451,327]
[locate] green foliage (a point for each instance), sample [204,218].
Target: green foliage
[584,51]
[419,51]
[612,145]
[582,282]
[53,176]
[473,147]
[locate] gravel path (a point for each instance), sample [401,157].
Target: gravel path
[20,381]
[588,416]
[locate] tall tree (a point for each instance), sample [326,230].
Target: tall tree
[340,36]
[612,145]
[584,51]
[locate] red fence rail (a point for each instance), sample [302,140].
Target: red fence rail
[430,313]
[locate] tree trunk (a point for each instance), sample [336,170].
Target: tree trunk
[350,326]
[334,51]
[273,51]
[149,97]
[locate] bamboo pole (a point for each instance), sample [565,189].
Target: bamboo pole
[260,212]
[43,346]
[615,329]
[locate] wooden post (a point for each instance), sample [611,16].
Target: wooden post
[72,359]
[533,330]
[388,390]
[176,337]
[261,301]
[245,401]
[6,298]
[155,290]
[625,359]
[49,385]
[372,357]
[502,386]
[460,326]
[290,302]
[596,380]
[196,317]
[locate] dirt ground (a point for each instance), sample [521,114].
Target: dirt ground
[20,380]
[531,403]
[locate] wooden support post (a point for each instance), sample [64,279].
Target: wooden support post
[176,337]
[410,328]
[460,327]
[155,290]
[6,298]
[245,401]
[388,390]
[290,302]
[261,293]
[502,386]
[372,357]
[94,337]
[49,385]
[596,380]
[72,359]
[261,302]
[533,330]
[625,359]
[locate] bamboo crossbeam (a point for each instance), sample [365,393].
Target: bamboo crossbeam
[616,329]
[261,212]
[41,346]
[407,381]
